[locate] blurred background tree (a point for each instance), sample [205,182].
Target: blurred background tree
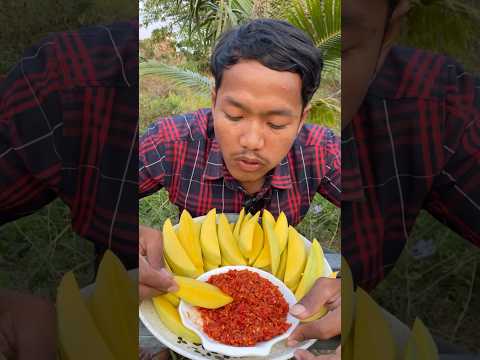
[197,24]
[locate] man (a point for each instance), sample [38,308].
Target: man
[410,140]
[252,149]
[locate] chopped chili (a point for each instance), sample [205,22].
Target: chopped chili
[258,311]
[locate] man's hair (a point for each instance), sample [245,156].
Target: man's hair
[277,45]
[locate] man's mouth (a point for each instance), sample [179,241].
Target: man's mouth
[248,164]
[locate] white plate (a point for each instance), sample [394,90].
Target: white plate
[152,322]
[187,312]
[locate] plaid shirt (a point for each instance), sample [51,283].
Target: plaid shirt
[68,129]
[181,154]
[414,144]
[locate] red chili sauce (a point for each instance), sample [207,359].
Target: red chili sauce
[258,311]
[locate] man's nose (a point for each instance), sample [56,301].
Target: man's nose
[252,137]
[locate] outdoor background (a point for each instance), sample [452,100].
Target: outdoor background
[437,274]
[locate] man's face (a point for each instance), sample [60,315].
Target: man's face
[257,114]
[365,42]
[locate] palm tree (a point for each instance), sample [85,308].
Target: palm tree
[319,19]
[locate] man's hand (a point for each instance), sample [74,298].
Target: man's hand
[325,292]
[154,279]
[305,355]
[27,327]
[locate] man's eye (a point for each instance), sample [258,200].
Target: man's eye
[233,118]
[276,127]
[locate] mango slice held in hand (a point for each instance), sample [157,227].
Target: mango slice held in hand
[199,293]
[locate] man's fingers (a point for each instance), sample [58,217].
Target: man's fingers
[301,354]
[146,292]
[160,280]
[324,292]
[151,244]
[322,329]
[304,355]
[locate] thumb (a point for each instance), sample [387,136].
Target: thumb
[324,292]
[161,280]
[322,329]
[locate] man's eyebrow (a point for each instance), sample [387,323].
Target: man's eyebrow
[277,112]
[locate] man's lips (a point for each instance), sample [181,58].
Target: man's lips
[248,164]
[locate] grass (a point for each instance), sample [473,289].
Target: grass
[442,289]
[37,250]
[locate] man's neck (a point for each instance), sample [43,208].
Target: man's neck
[253,187]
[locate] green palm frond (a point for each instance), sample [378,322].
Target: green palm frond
[321,20]
[181,77]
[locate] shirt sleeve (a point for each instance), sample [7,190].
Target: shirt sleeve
[329,153]
[455,195]
[152,159]
[30,123]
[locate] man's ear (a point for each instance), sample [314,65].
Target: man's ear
[214,98]
[393,28]
[304,117]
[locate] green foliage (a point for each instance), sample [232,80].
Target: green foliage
[445,26]
[27,22]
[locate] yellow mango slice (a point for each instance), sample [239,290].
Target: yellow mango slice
[257,243]
[421,344]
[263,260]
[238,224]
[267,216]
[313,270]
[199,293]
[281,229]
[245,243]
[348,301]
[209,239]
[228,246]
[172,299]
[171,319]
[323,311]
[271,239]
[175,253]
[78,335]
[282,266]
[296,259]
[373,337]
[113,306]
[209,266]
[187,234]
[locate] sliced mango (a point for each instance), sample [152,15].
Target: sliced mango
[245,243]
[78,334]
[187,234]
[209,239]
[257,243]
[171,319]
[281,229]
[282,266]
[271,239]
[373,338]
[323,311]
[228,246]
[421,344]
[296,259]
[113,306]
[313,270]
[199,293]
[238,224]
[172,299]
[175,253]
[267,216]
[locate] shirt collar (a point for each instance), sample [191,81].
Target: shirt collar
[352,181]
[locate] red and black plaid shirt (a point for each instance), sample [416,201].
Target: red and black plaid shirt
[414,144]
[68,129]
[182,155]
